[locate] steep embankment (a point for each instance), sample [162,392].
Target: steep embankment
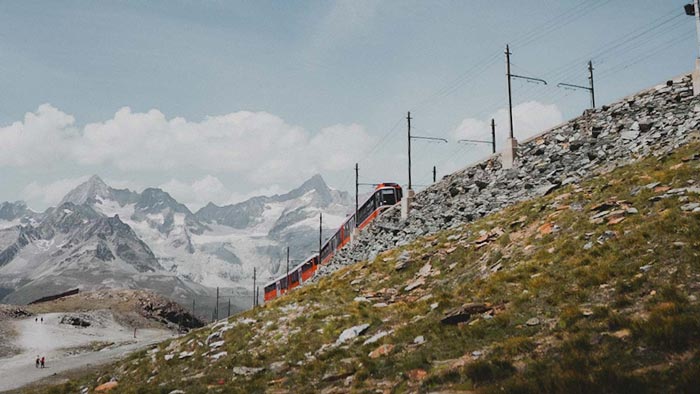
[591,288]
[651,122]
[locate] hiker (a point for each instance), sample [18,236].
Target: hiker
[36,320]
[37,362]
[42,320]
[42,361]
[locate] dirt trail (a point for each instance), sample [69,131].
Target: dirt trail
[60,344]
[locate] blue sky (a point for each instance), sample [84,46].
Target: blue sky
[229,99]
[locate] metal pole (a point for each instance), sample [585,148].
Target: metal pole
[590,78]
[357,188]
[493,135]
[409,149]
[434,174]
[510,95]
[320,235]
[229,307]
[216,310]
[255,300]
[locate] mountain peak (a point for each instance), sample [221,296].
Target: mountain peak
[87,191]
[315,183]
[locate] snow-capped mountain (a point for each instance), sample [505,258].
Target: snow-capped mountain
[75,246]
[101,236]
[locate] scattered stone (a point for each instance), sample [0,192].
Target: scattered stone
[425,270]
[382,350]
[463,313]
[419,340]
[246,371]
[185,355]
[588,245]
[645,268]
[690,206]
[616,220]
[279,367]
[106,387]
[218,355]
[216,344]
[622,334]
[415,284]
[374,338]
[360,299]
[177,391]
[417,375]
[533,322]
[76,320]
[169,357]
[351,333]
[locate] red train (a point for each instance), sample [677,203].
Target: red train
[385,196]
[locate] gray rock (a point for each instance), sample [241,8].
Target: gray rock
[351,333]
[690,206]
[246,371]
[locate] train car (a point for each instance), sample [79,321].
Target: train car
[384,197]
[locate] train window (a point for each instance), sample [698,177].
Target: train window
[366,210]
[294,277]
[270,288]
[388,197]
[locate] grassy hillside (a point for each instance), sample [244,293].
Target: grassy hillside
[593,288]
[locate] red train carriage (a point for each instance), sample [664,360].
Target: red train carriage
[385,196]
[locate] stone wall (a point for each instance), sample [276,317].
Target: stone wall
[652,122]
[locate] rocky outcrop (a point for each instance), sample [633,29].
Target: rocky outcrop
[652,122]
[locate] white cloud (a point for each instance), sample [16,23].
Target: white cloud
[529,118]
[260,147]
[50,194]
[40,138]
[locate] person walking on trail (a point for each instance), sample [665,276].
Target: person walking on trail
[37,362]
[36,320]
[43,360]
[42,320]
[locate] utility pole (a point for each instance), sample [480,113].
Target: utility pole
[694,10]
[257,294]
[357,188]
[510,92]
[493,138]
[229,307]
[510,152]
[320,236]
[216,309]
[287,268]
[590,79]
[408,118]
[434,174]
[493,135]
[590,88]
[408,197]
[255,300]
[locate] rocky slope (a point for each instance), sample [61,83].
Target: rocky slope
[591,288]
[651,122]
